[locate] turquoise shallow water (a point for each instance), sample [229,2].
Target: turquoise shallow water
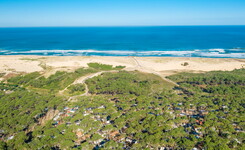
[165,41]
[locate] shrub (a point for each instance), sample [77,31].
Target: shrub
[76,89]
[100,66]
[185,64]
[120,67]
[2,74]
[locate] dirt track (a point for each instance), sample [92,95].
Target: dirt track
[137,67]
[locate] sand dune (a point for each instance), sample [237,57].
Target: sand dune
[163,65]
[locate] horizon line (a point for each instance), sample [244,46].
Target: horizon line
[111,26]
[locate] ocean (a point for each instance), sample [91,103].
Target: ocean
[159,41]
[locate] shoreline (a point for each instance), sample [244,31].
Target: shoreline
[194,53]
[17,64]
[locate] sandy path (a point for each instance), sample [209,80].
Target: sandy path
[82,80]
[137,66]
[164,65]
[160,66]
[142,68]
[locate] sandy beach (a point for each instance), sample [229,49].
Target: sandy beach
[163,65]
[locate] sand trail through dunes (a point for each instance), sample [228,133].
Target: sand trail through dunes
[161,66]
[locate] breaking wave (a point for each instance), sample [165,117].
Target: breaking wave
[209,53]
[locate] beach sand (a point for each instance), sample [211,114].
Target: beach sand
[163,65]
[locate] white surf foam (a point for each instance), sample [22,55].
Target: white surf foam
[219,53]
[228,55]
[220,50]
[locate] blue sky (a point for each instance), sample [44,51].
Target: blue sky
[25,13]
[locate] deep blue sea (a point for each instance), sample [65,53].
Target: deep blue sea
[165,41]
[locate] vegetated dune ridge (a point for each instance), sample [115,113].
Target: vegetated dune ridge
[160,65]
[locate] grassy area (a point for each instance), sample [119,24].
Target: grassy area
[99,66]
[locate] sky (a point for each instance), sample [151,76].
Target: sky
[38,13]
